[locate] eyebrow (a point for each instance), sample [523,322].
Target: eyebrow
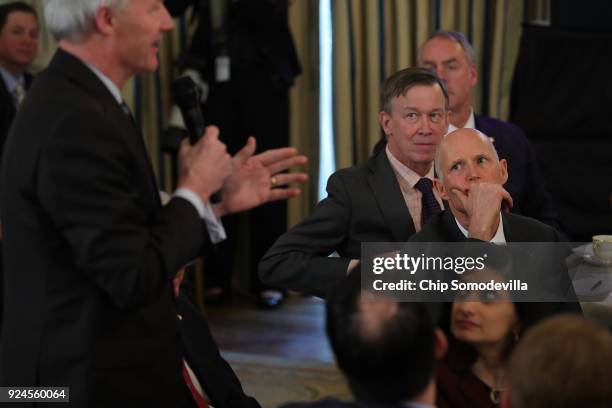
[447,61]
[412,108]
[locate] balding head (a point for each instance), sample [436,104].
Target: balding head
[464,158]
[456,136]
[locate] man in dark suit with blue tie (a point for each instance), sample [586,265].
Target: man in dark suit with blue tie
[451,57]
[387,350]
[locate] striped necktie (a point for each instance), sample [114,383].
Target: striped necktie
[18,95]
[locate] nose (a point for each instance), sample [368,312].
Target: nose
[465,309]
[473,173]
[441,73]
[425,126]
[167,20]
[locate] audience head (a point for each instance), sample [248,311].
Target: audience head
[489,318]
[451,57]
[73,21]
[466,157]
[18,36]
[563,362]
[386,349]
[119,37]
[414,114]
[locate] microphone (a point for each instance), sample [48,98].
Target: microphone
[187,97]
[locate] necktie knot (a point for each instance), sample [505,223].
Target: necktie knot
[429,203]
[424,185]
[18,95]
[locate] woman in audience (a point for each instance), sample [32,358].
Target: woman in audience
[484,327]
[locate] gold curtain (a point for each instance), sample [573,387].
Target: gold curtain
[365,54]
[303,99]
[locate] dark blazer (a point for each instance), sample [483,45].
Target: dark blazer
[525,183]
[442,227]
[7,110]
[364,203]
[89,251]
[7,115]
[201,351]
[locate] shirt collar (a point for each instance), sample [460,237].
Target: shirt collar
[409,175]
[471,123]
[498,238]
[11,81]
[110,85]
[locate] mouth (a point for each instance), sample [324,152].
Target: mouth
[466,324]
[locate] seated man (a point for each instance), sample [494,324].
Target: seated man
[471,179]
[385,199]
[387,350]
[564,362]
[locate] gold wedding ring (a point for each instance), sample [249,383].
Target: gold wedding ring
[273,180]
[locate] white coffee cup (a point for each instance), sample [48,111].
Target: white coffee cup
[602,247]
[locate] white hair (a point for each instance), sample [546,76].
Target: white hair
[437,159]
[71,19]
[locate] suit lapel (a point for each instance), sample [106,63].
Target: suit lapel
[389,197]
[71,67]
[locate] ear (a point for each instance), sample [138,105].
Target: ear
[503,166]
[439,185]
[104,21]
[473,71]
[384,119]
[441,344]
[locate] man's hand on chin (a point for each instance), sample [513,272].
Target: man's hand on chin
[482,203]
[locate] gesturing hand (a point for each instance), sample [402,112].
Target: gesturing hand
[205,166]
[254,179]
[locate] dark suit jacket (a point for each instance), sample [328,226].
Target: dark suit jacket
[201,351]
[525,183]
[7,114]
[7,110]
[89,250]
[442,227]
[364,204]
